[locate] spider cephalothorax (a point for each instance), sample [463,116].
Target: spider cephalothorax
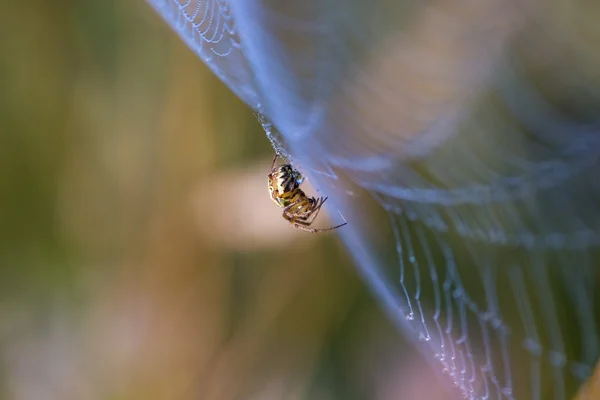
[299,209]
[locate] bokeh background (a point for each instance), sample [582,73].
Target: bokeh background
[140,255]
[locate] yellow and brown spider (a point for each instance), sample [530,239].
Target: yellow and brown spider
[298,209]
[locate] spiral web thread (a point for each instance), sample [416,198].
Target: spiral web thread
[495,233]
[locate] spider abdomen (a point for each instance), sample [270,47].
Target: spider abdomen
[284,181]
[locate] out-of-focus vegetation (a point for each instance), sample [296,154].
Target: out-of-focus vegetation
[140,256]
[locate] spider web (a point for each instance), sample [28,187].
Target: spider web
[470,189]
[209,29]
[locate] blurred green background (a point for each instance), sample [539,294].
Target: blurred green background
[130,267]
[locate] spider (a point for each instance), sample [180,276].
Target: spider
[298,209]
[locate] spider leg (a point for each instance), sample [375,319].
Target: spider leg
[303,222]
[274,160]
[300,223]
[293,219]
[317,208]
[306,214]
[313,213]
[292,214]
[305,227]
